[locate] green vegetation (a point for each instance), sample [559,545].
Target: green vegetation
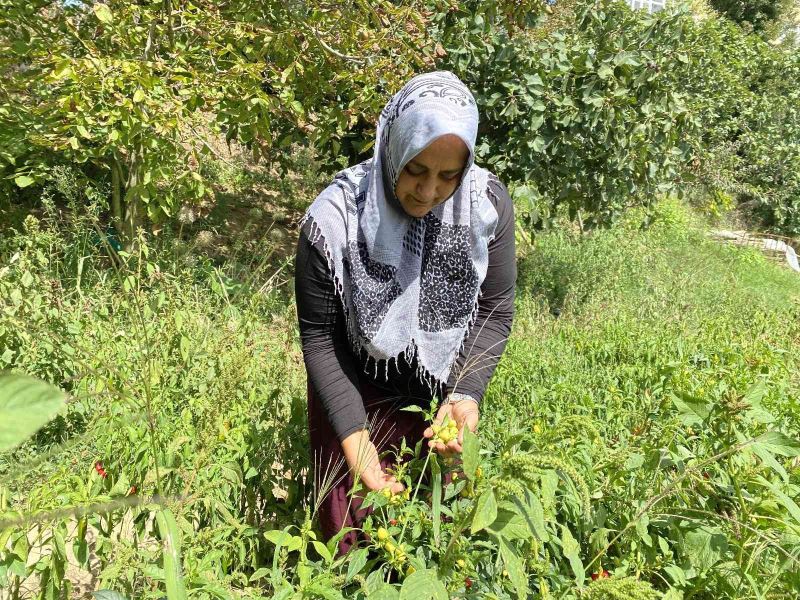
[639,438]
[649,432]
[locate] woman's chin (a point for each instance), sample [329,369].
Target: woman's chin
[414,209]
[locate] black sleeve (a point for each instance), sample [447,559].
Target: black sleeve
[488,336]
[330,364]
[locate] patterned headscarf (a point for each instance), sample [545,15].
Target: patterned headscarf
[409,286]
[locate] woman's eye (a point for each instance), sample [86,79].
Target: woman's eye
[411,170]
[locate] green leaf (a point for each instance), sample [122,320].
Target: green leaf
[789,504]
[138,95]
[604,71]
[470,454]
[107,595]
[171,538]
[103,13]
[515,568]
[572,551]
[357,561]
[485,511]
[704,547]
[509,524]
[26,405]
[626,58]
[693,411]
[23,181]
[384,592]
[436,497]
[533,513]
[259,574]
[779,443]
[423,585]
[323,551]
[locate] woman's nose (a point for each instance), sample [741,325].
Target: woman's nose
[426,189]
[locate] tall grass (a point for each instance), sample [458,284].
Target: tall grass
[186,379]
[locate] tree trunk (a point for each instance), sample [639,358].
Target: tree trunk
[116,195]
[133,208]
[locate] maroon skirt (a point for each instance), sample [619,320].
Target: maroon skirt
[339,508]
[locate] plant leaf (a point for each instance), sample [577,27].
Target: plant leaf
[515,568]
[103,13]
[171,538]
[423,585]
[23,181]
[470,456]
[107,595]
[779,443]
[485,511]
[357,561]
[572,551]
[26,405]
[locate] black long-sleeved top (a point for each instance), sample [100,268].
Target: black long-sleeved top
[336,373]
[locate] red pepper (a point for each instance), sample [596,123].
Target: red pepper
[132,491]
[603,574]
[98,466]
[392,522]
[468,582]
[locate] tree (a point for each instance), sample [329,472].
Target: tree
[135,91]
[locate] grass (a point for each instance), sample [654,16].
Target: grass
[187,379]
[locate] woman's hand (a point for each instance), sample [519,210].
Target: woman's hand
[364,463]
[464,413]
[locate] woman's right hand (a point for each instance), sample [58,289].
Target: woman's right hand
[364,463]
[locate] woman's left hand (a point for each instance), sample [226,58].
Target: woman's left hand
[464,413]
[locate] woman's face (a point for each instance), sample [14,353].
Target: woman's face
[432,176]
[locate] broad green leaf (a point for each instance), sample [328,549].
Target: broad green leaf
[283,538]
[572,551]
[357,560]
[779,443]
[704,547]
[531,510]
[753,397]
[138,95]
[384,591]
[323,551]
[515,568]
[23,181]
[102,12]
[510,524]
[789,504]
[26,405]
[470,455]
[692,410]
[769,460]
[604,71]
[423,585]
[485,511]
[173,572]
[107,595]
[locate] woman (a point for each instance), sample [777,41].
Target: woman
[405,278]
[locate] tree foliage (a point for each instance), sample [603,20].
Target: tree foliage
[587,116]
[137,90]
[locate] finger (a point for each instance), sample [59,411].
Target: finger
[443,412]
[454,447]
[428,433]
[437,446]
